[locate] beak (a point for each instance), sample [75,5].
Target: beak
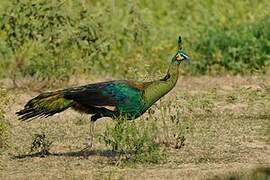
[186,57]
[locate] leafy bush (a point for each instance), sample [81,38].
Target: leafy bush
[244,49]
[132,142]
[46,41]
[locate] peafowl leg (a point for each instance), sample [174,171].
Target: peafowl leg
[90,140]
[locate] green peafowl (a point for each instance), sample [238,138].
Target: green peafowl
[106,99]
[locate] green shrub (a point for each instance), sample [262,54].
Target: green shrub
[243,49]
[46,40]
[132,142]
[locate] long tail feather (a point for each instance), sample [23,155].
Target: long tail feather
[44,105]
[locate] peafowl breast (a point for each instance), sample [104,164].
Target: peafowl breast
[106,99]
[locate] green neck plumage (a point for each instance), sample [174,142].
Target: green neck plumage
[161,87]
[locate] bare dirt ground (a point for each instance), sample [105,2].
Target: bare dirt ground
[228,117]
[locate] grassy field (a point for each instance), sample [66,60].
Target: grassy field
[228,134]
[213,125]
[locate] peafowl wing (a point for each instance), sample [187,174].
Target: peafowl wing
[112,93]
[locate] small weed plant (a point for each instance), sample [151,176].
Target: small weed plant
[133,141]
[41,145]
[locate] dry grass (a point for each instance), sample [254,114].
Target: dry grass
[228,132]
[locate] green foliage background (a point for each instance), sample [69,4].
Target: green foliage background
[55,39]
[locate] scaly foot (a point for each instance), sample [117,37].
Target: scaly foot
[89,142]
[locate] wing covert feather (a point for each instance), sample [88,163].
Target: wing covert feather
[109,93]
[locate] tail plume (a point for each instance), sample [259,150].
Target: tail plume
[44,105]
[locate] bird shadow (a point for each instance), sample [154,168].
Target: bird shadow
[81,153]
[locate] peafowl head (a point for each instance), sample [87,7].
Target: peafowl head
[180,55]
